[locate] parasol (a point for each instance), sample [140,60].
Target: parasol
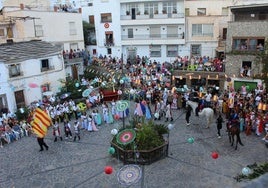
[126,136]
[65,95]
[87,92]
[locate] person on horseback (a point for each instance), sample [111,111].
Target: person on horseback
[233,120]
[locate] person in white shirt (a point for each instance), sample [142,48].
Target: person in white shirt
[208,99]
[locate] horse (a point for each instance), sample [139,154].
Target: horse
[194,106]
[209,113]
[234,130]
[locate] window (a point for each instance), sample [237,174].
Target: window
[201,11]
[246,69]
[109,39]
[224,11]
[19,98]
[14,70]
[9,32]
[187,12]
[44,65]
[106,17]
[151,9]
[109,51]
[196,49]
[155,51]
[130,33]
[91,20]
[155,32]
[172,31]
[202,30]
[248,44]
[224,33]
[169,7]
[45,87]
[172,51]
[38,31]
[72,28]
[2,32]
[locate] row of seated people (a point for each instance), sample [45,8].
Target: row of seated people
[11,130]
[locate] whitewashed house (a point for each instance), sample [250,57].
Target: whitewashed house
[27,70]
[25,20]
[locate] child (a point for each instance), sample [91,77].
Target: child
[84,120]
[76,130]
[97,118]
[67,129]
[56,131]
[219,125]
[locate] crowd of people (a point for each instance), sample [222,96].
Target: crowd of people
[11,129]
[148,85]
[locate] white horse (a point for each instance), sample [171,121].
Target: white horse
[194,106]
[209,113]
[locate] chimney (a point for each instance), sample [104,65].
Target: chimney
[80,10]
[55,9]
[22,6]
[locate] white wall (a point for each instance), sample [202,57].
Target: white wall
[31,74]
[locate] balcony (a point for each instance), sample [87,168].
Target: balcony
[151,16]
[50,68]
[108,44]
[15,74]
[158,39]
[153,36]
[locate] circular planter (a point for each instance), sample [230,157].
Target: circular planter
[143,157]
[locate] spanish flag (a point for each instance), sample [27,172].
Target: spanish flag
[41,122]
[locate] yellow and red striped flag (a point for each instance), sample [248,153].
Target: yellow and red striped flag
[38,128]
[41,122]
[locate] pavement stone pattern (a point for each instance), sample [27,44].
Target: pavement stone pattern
[80,164]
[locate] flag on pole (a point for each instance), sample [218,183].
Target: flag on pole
[41,122]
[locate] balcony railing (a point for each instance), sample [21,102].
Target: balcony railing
[43,69]
[153,36]
[248,48]
[17,74]
[152,16]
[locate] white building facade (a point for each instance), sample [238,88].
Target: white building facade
[127,28]
[27,71]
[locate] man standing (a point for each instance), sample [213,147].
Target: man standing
[188,114]
[42,143]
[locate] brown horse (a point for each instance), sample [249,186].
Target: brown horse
[233,130]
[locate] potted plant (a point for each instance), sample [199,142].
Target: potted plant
[138,13]
[164,11]
[127,12]
[174,11]
[146,12]
[156,12]
[149,142]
